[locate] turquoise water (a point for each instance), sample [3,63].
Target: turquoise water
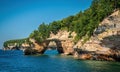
[15,61]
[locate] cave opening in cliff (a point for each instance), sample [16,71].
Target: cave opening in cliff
[51,49]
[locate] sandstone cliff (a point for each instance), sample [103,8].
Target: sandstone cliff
[105,39]
[63,41]
[104,44]
[66,38]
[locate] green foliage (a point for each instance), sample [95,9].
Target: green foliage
[70,36]
[82,23]
[55,26]
[17,41]
[41,33]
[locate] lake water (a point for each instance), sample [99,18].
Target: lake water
[15,61]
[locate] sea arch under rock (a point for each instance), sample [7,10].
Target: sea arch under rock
[63,46]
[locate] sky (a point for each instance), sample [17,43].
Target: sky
[18,18]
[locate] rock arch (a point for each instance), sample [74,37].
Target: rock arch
[58,44]
[63,46]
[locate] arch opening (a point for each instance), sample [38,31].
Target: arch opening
[54,46]
[51,49]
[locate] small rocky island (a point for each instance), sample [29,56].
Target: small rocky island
[97,40]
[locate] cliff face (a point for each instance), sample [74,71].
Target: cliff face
[105,39]
[66,39]
[104,44]
[63,41]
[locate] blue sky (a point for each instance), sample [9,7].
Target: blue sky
[18,18]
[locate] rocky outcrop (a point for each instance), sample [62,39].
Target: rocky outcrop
[68,47]
[94,55]
[64,43]
[105,42]
[103,45]
[30,51]
[15,46]
[66,39]
[63,35]
[39,47]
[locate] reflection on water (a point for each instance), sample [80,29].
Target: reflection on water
[15,61]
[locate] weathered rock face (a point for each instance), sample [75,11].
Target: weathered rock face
[105,41]
[30,51]
[63,35]
[39,47]
[64,43]
[66,39]
[68,47]
[94,55]
[103,45]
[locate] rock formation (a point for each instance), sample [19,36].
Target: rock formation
[15,46]
[105,42]
[64,43]
[103,45]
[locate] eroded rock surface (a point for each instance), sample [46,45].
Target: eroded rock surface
[105,42]
[103,45]
[64,43]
